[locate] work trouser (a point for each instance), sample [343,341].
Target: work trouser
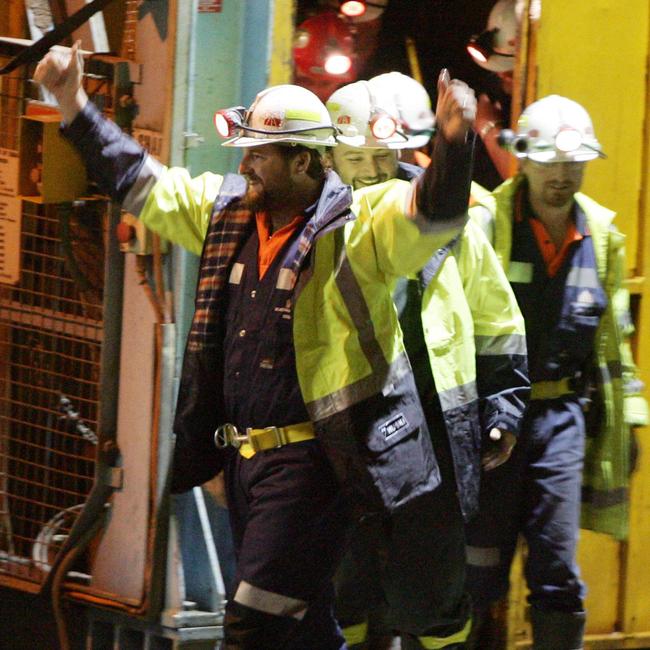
[289,526]
[536,493]
[406,573]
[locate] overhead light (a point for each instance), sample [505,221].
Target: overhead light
[352,8]
[337,63]
[324,48]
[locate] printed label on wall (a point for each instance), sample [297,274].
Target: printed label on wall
[210,6]
[152,141]
[10,217]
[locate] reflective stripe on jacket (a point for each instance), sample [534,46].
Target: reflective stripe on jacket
[607,458]
[475,336]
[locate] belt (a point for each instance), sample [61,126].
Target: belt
[255,440]
[552,389]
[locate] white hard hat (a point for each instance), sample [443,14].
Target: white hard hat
[285,113]
[495,48]
[412,104]
[360,117]
[555,129]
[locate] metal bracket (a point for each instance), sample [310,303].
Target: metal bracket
[192,140]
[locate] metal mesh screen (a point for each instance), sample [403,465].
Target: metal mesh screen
[51,332]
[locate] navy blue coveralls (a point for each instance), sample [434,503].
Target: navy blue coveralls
[537,492]
[395,577]
[277,552]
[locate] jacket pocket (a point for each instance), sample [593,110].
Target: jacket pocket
[381,449]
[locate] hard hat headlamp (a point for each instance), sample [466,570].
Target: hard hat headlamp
[229,120]
[481,46]
[567,141]
[382,125]
[352,8]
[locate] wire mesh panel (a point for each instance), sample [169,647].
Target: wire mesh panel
[51,333]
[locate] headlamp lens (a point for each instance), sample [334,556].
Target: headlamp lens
[568,140]
[353,8]
[383,126]
[477,53]
[228,120]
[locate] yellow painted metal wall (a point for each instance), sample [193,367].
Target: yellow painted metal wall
[596,52]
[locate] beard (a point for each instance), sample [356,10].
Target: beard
[260,199]
[255,197]
[558,198]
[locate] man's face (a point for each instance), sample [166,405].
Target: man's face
[553,184]
[268,175]
[362,167]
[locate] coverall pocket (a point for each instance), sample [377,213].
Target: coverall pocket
[381,449]
[398,449]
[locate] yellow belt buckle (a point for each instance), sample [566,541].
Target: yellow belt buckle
[257,438]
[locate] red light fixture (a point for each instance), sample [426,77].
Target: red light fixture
[323,48]
[352,8]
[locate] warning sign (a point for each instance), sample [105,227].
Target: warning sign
[10,217]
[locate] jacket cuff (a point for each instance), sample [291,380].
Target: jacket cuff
[503,421]
[443,189]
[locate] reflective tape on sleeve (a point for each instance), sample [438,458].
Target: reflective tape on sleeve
[483,556]
[148,175]
[497,345]
[269,602]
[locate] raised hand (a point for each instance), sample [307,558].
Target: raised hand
[455,109]
[61,73]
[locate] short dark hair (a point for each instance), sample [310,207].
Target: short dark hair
[316,169]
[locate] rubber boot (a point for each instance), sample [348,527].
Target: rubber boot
[555,630]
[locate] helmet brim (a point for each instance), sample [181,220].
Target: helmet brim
[362,142]
[248,141]
[554,156]
[497,63]
[412,142]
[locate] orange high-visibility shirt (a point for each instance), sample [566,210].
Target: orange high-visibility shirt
[553,258]
[270,244]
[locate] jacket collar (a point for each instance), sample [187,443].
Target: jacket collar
[333,205]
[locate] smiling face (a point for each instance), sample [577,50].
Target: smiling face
[361,167]
[553,185]
[268,174]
